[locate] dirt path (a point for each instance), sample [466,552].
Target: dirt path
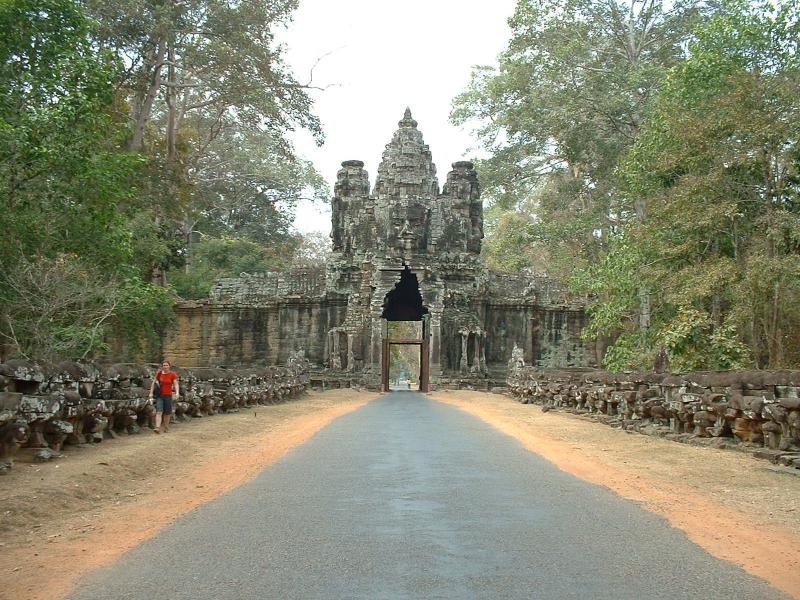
[62,519]
[729,503]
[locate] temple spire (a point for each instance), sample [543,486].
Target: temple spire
[406,169]
[407,120]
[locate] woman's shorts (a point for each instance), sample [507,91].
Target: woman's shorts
[164,404]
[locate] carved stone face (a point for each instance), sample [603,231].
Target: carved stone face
[20,433]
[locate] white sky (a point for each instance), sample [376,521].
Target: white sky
[386,55]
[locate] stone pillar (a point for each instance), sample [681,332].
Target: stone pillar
[376,343]
[351,359]
[336,360]
[484,368]
[476,363]
[530,345]
[435,333]
[462,364]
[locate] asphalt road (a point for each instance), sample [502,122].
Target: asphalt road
[409,498]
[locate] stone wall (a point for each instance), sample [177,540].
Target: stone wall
[45,406]
[757,411]
[210,333]
[549,336]
[263,287]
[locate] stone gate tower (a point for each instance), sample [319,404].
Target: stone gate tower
[403,250]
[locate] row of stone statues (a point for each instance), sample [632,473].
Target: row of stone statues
[759,410]
[45,406]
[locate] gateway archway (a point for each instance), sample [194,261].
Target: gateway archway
[406,334]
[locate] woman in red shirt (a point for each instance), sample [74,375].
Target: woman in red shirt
[168,391]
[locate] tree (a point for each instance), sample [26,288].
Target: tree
[66,250]
[216,257]
[199,54]
[507,246]
[55,307]
[563,105]
[716,170]
[313,249]
[61,177]
[211,101]
[245,185]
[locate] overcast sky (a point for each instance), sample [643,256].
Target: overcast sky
[384,55]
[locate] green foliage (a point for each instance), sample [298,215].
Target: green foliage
[508,240]
[210,102]
[143,315]
[691,341]
[612,285]
[630,351]
[226,257]
[404,363]
[61,177]
[65,245]
[562,106]
[715,169]
[404,329]
[313,249]
[694,344]
[651,158]
[124,138]
[55,307]
[70,258]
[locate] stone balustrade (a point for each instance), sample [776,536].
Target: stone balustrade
[758,411]
[264,287]
[44,407]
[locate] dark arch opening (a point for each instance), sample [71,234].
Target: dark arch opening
[404,302]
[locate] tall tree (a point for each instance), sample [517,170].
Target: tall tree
[60,174]
[565,102]
[66,251]
[211,102]
[187,55]
[717,168]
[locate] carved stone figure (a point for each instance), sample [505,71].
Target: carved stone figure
[80,403]
[750,409]
[12,436]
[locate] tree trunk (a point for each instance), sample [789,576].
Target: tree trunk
[775,332]
[188,229]
[716,299]
[157,275]
[143,105]
[716,310]
[171,95]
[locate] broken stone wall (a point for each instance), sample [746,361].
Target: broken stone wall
[43,407]
[264,287]
[757,411]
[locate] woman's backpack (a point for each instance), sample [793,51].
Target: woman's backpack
[156,385]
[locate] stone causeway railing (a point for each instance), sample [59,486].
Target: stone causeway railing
[756,411]
[264,287]
[44,407]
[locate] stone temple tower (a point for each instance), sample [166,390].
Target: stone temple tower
[403,250]
[406,236]
[405,214]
